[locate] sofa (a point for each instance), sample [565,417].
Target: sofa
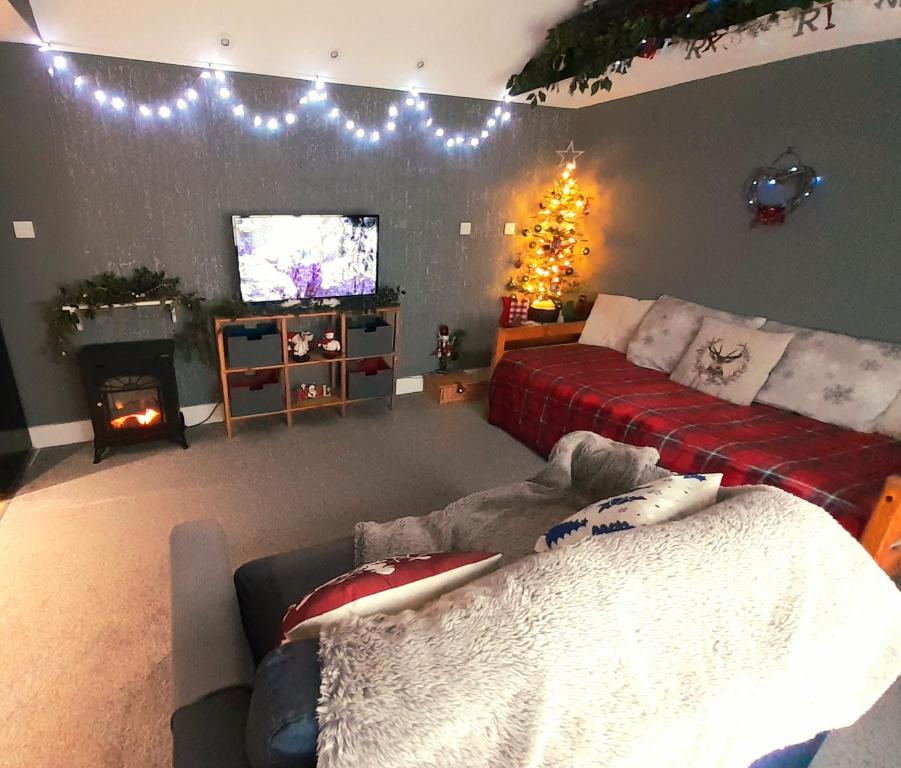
[225,625]
[538,394]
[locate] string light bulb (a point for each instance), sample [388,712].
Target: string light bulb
[117,103]
[410,101]
[450,142]
[60,63]
[257,121]
[428,123]
[145,110]
[491,122]
[180,103]
[290,118]
[164,112]
[238,111]
[360,133]
[374,136]
[320,83]
[439,132]
[505,117]
[220,75]
[100,96]
[191,94]
[390,125]
[303,100]
[393,111]
[349,125]
[485,134]
[205,75]
[225,94]
[78,81]
[272,124]
[420,105]
[335,112]
[473,142]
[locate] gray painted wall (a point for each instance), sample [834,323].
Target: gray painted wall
[670,167]
[108,193]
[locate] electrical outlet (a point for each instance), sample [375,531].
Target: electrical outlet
[510,228]
[23,229]
[465,227]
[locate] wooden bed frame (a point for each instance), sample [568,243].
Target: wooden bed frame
[882,535]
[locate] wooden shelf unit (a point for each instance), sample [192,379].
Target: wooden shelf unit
[337,367]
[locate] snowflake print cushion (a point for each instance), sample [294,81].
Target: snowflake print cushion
[834,378]
[730,361]
[386,586]
[669,498]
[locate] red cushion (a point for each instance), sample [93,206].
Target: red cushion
[542,393]
[385,586]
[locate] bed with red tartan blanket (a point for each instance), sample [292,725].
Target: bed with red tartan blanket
[541,393]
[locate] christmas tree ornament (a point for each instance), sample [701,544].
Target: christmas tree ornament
[329,345]
[525,232]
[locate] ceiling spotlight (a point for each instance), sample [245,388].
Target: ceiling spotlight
[290,118]
[420,64]
[225,41]
[334,54]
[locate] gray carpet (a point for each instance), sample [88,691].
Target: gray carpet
[84,574]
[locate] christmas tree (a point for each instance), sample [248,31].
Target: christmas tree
[546,269]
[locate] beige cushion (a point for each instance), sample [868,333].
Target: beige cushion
[834,378]
[889,423]
[730,361]
[668,328]
[614,320]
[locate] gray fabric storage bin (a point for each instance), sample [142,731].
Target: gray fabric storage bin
[369,336]
[253,346]
[378,383]
[259,398]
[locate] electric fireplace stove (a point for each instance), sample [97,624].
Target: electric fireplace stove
[132,393]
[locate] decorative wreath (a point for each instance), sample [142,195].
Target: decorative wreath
[774,191]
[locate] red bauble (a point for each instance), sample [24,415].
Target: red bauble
[518,263]
[769,215]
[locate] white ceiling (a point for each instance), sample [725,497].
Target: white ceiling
[12,28]
[469,47]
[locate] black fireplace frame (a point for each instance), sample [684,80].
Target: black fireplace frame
[99,363]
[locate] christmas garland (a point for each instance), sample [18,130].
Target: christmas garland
[587,48]
[196,336]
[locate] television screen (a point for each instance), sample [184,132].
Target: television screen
[305,257]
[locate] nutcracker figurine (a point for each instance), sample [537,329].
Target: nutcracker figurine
[447,347]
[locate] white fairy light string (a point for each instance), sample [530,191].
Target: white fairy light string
[217,84]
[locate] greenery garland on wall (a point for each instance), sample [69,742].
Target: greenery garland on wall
[589,47]
[106,289]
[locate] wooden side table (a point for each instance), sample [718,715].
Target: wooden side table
[520,336]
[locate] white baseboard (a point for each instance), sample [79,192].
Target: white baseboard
[67,433]
[408,385]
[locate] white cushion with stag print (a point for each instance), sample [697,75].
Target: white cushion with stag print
[669,498]
[614,320]
[730,361]
[668,328]
[834,378]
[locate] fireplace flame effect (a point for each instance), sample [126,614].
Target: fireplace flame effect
[144,418]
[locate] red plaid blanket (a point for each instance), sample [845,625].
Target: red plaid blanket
[540,394]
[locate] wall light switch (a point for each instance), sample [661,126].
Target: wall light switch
[510,228]
[23,229]
[465,227]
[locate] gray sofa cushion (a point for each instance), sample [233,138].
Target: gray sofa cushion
[266,587]
[281,725]
[210,733]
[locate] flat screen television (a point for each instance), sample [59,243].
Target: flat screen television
[305,257]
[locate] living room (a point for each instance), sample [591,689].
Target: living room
[319,328]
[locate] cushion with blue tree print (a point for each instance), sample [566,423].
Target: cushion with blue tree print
[669,498]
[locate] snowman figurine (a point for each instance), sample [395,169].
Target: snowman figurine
[329,345]
[299,344]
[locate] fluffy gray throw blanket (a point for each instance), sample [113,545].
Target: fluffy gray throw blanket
[582,468]
[706,642]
